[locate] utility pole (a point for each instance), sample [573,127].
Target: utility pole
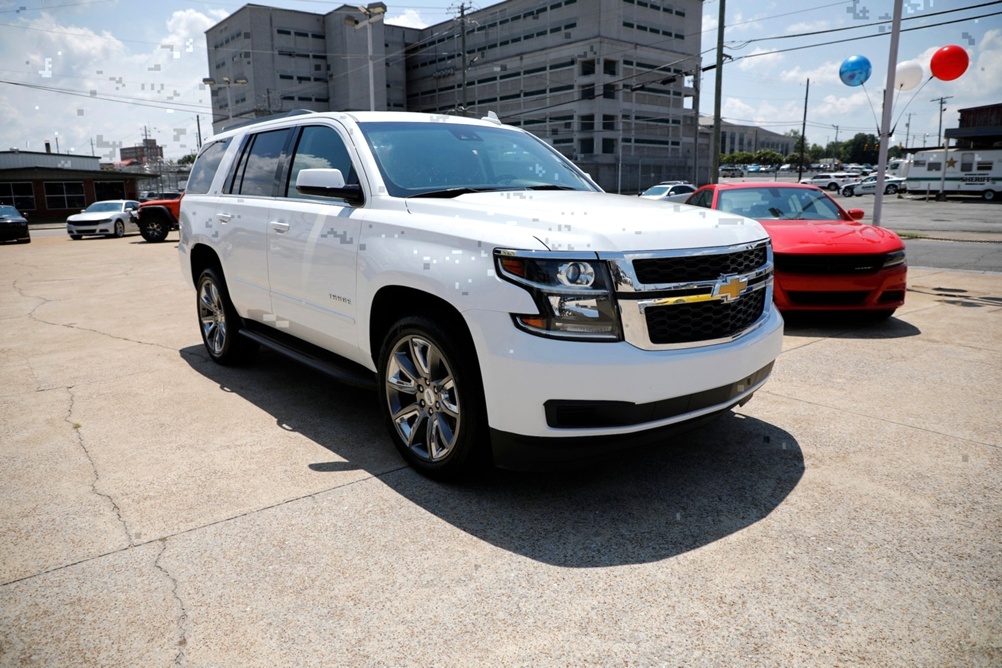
[803,135]
[462,47]
[908,127]
[717,88]
[942,108]
[198,124]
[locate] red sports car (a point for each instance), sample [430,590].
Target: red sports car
[825,259]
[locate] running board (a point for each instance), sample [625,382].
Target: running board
[339,368]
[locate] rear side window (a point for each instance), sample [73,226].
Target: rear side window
[258,169]
[204,169]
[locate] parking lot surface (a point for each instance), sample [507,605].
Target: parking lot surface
[159,510]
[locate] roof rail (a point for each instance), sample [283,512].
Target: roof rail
[262,119]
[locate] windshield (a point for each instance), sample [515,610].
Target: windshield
[779,204]
[657,190]
[9,212]
[104,206]
[432,158]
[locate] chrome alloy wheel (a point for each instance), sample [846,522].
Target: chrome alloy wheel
[212,316]
[423,399]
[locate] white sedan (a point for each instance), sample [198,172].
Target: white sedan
[110,218]
[673,192]
[868,186]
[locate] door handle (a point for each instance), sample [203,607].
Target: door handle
[279,227]
[224,217]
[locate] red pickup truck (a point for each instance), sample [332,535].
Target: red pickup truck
[158,217]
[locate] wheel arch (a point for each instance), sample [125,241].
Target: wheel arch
[393,302]
[202,257]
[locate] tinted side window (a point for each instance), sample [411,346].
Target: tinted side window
[319,148]
[205,167]
[702,199]
[259,167]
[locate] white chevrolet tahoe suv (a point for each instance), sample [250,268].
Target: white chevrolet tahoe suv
[502,306]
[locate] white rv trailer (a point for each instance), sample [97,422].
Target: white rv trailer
[968,172]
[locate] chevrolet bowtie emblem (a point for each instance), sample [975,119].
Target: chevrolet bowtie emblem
[730,289]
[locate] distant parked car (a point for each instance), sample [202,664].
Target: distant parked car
[831,181]
[110,218]
[13,226]
[677,192]
[868,186]
[731,170]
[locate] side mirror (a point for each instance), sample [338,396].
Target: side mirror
[856,214]
[328,183]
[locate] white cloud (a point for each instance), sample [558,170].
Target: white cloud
[410,18]
[754,61]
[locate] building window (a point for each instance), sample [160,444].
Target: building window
[587,123]
[608,122]
[65,195]
[610,67]
[587,67]
[608,145]
[609,91]
[586,145]
[19,195]
[587,92]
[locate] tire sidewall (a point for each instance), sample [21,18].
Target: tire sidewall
[470,453]
[235,348]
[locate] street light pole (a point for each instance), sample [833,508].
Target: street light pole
[375,12]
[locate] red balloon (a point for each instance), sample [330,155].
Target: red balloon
[949,62]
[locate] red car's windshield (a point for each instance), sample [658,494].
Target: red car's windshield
[779,203]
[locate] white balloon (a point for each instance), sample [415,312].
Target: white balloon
[908,75]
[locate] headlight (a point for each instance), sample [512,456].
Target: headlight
[573,294]
[894,259]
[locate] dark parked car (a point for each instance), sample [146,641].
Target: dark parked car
[13,226]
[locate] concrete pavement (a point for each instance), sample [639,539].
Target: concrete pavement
[159,510]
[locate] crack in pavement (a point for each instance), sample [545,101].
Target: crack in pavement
[182,643]
[97,476]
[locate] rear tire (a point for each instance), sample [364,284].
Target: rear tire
[833,187]
[848,191]
[431,397]
[154,229]
[988,195]
[219,322]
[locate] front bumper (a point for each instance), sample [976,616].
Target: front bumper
[14,232]
[534,387]
[880,291]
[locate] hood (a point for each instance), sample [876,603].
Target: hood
[830,237]
[92,217]
[592,221]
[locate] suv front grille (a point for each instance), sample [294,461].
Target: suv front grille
[691,298]
[702,321]
[698,267]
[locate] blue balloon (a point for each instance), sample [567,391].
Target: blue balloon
[855,70]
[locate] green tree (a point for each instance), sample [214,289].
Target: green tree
[739,158]
[186,160]
[862,148]
[768,157]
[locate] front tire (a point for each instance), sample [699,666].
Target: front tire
[119,229]
[847,191]
[431,397]
[219,322]
[988,195]
[891,190]
[833,187]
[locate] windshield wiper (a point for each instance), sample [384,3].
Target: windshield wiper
[550,187]
[452,192]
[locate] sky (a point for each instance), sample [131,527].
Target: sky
[91,76]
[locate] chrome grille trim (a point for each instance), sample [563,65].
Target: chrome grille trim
[635,298]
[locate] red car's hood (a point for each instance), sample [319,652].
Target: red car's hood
[830,237]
